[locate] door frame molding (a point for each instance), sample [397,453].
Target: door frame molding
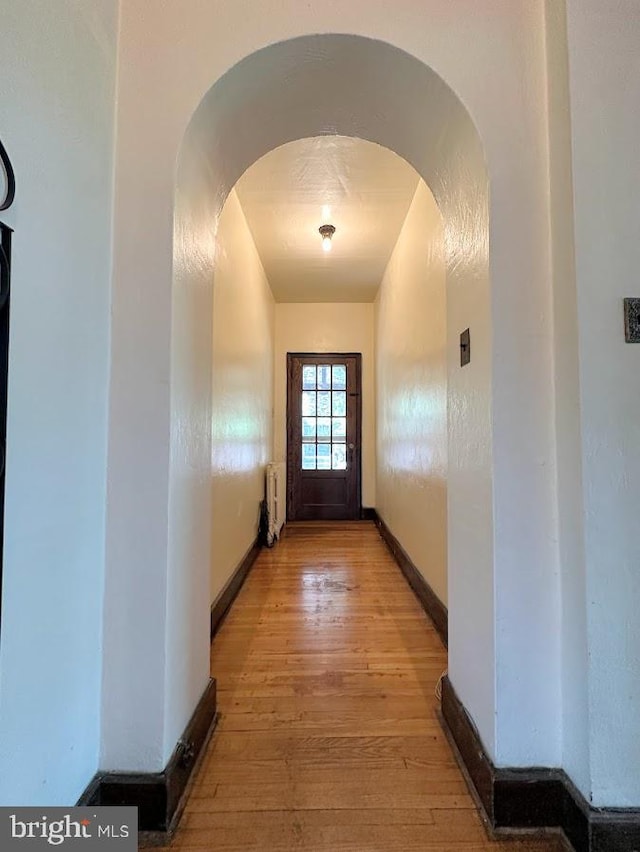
[358,358]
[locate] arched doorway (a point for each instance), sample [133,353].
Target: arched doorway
[339,84]
[359,87]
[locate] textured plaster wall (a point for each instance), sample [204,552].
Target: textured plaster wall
[58,73]
[242,402]
[189,508]
[328,327]
[604,79]
[502,526]
[570,504]
[411,392]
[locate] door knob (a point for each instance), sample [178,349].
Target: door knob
[351,446]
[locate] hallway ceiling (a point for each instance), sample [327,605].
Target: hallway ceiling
[367,190]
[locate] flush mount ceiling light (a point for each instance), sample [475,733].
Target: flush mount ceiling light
[326,232]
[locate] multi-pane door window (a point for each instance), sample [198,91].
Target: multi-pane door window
[324,417]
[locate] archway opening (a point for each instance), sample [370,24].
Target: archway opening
[355,87]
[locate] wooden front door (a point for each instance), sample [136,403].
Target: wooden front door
[323,437]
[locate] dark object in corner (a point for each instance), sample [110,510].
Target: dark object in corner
[264,539]
[367,513]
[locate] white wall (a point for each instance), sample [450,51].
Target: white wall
[328,327]
[604,76]
[502,520]
[242,422]
[525,523]
[58,68]
[188,522]
[411,392]
[570,504]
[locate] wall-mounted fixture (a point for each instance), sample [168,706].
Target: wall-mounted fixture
[326,232]
[632,320]
[465,348]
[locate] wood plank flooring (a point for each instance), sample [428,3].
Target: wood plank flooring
[328,738]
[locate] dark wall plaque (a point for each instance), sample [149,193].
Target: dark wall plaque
[465,348]
[632,320]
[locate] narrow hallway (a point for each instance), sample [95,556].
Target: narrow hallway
[328,737]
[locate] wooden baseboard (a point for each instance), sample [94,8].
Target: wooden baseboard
[471,752]
[535,797]
[220,607]
[368,513]
[431,603]
[159,796]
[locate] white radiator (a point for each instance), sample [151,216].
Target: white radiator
[276,499]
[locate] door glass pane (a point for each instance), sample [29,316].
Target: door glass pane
[324,377]
[339,404]
[324,428]
[324,420]
[324,404]
[339,377]
[309,376]
[308,427]
[339,456]
[308,456]
[324,456]
[339,428]
[308,403]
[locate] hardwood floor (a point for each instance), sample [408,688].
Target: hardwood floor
[328,738]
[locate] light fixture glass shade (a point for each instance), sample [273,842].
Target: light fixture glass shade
[326,232]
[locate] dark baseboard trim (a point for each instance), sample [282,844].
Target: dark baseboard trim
[91,794]
[472,753]
[535,797]
[431,603]
[159,796]
[220,607]
[367,513]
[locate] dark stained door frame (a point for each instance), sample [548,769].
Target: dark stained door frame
[352,477]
